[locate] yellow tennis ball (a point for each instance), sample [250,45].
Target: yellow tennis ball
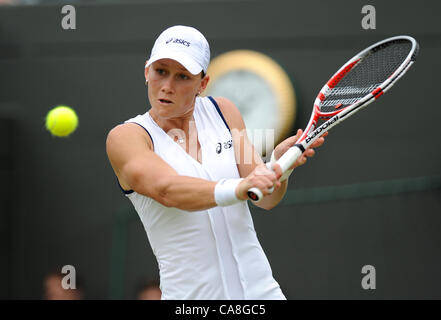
[61,121]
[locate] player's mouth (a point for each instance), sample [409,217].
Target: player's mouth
[165,101]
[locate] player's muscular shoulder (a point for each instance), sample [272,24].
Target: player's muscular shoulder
[231,113]
[127,136]
[124,142]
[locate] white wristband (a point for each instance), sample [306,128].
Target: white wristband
[225,192]
[286,174]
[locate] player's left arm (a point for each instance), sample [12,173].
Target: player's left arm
[247,158]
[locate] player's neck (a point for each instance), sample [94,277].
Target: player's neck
[181,122]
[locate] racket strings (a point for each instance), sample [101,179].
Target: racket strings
[367,75]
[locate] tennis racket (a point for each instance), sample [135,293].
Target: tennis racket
[359,82]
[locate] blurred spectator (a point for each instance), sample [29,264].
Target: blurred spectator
[149,291]
[8,2]
[19,2]
[53,289]
[38,2]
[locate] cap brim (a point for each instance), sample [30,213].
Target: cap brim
[185,60]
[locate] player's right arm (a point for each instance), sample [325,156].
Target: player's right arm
[138,167]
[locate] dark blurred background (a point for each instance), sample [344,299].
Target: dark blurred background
[371,196]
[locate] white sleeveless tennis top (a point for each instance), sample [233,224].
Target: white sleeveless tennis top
[209,254]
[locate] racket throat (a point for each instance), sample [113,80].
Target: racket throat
[322,128]
[311,125]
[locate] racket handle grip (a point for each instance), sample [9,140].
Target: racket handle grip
[285,162]
[255,195]
[290,156]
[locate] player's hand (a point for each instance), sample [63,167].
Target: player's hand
[283,146]
[262,178]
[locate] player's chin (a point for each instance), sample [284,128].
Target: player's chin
[164,110]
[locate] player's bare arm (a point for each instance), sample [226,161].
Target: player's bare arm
[137,167]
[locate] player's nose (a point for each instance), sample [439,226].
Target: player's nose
[167,85]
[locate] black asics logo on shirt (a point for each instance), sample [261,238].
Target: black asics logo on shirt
[226,145]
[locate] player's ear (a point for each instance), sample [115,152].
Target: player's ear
[204,83]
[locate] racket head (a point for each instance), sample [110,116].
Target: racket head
[360,81]
[364,78]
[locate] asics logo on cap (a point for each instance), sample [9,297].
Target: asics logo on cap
[181,41]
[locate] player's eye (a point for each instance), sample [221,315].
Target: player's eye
[184,76]
[160,71]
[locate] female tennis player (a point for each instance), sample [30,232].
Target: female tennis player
[183,166]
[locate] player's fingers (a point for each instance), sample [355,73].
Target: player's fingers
[242,189]
[272,178]
[265,185]
[277,170]
[263,173]
[301,160]
[261,170]
[309,153]
[277,185]
[288,143]
[297,136]
[318,142]
[261,182]
[294,138]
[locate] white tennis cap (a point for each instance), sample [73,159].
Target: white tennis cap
[185,45]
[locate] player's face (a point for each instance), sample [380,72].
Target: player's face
[172,89]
